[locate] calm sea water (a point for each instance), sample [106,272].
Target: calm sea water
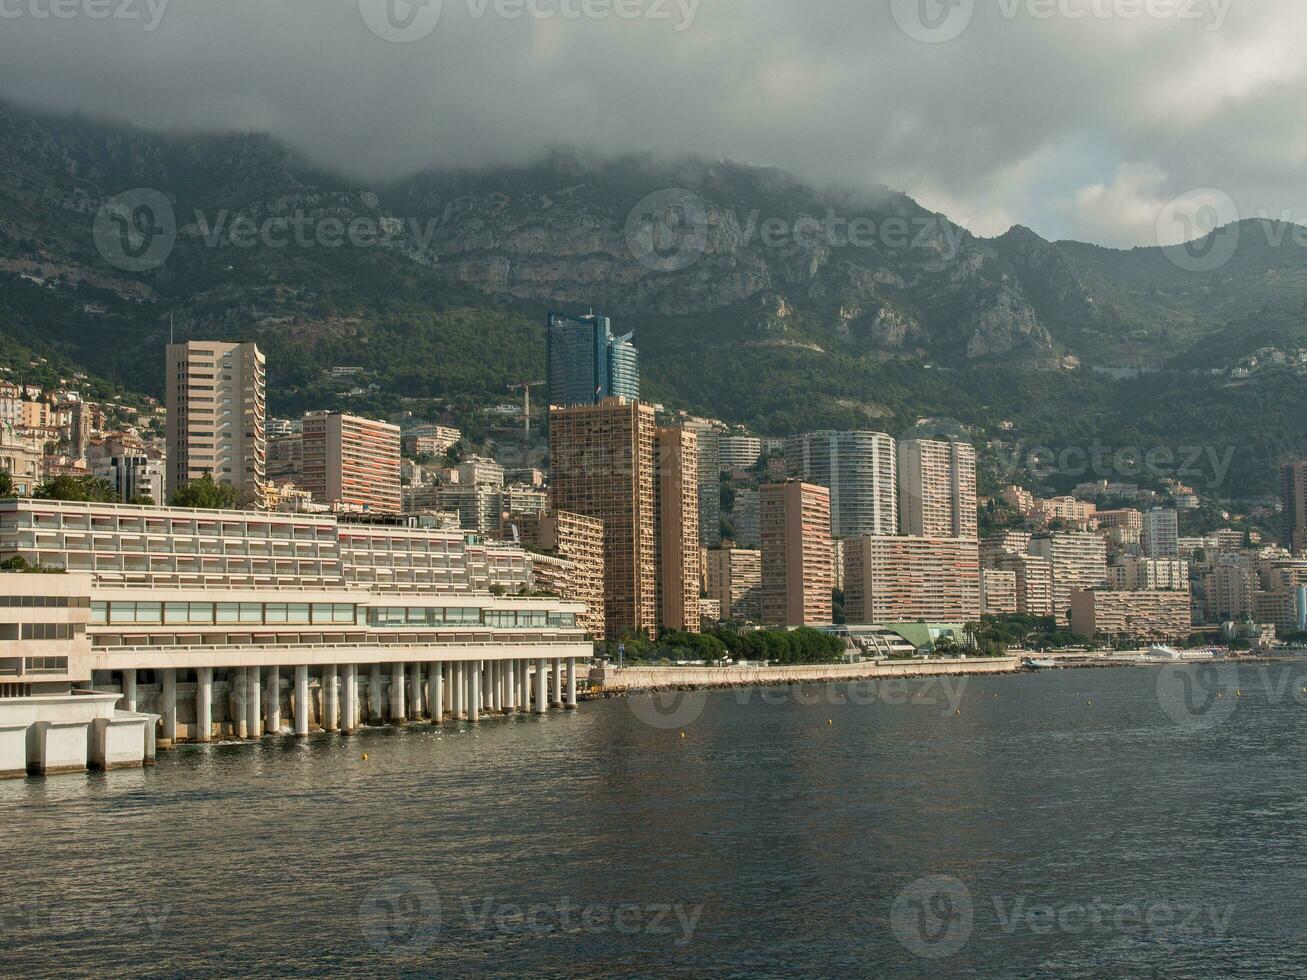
[998,826]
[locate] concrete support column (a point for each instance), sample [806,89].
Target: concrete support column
[510,686]
[375,715]
[302,701]
[254,702]
[168,709]
[330,698]
[397,716]
[474,691]
[458,689]
[498,667]
[415,693]
[237,717]
[524,685]
[272,694]
[487,686]
[571,683]
[203,704]
[558,682]
[542,686]
[436,692]
[129,690]
[349,715]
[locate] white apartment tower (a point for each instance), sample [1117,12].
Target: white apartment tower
[937,489]
[215,402]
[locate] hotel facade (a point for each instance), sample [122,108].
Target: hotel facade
[191,625]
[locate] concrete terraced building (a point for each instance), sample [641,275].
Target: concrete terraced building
[1144,615]
[1079,561]
[677,551]
[196,624]
[735,581]
[577,542]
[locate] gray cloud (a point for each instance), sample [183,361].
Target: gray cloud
[1082,123]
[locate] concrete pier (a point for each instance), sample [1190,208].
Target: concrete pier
[118,742]
[397,716]
[436,692]
[349,710]
[272,696]
[301,706]
[129,691]
[571,683]
[375,713]
[55,747]
[474,691]
[169,707]
[542,686]
[330,698]
[557,700]
[254,702]
[415,692]
[203,704]
[510,686]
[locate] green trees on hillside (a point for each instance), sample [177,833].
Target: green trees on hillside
[206,494]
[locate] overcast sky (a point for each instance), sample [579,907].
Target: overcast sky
[1079,118]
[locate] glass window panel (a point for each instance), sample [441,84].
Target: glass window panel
[344,613]
[201,612]
[149,612]
[275,612]
[99,613]
[297,612]
[176,612]
[229,612]
[251,612]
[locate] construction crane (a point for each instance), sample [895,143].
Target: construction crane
[525,387]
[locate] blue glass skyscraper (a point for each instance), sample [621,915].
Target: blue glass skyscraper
[586,363]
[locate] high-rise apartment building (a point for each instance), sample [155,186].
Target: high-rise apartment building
[216,411]
[859,469]
[1134,574]
[735,580]
[1149,615]
[586,363]
[352,462]
[891,579]
[744,516]
[998,592]
[676,528]
[602,459]
[937,489]
[1295,506]
[1034,577]
[1079,562]
[1161,534]
[798,572]
[739,452]
[710,481]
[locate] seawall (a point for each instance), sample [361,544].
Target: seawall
[613,680]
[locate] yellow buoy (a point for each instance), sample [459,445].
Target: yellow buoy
[830,721]
[1089,702]
[682,734]
[365,757]
[958,712]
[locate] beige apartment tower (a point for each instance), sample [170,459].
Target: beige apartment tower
[352,462]
[937,489]
[911,580]
[216,412]
[798,571]
[735,581]
[602,461]
[677,548]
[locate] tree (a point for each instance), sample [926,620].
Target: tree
[206,494]
[83,489]
[6,484]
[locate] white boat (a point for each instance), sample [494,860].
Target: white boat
[1031,663]
[1163,653]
